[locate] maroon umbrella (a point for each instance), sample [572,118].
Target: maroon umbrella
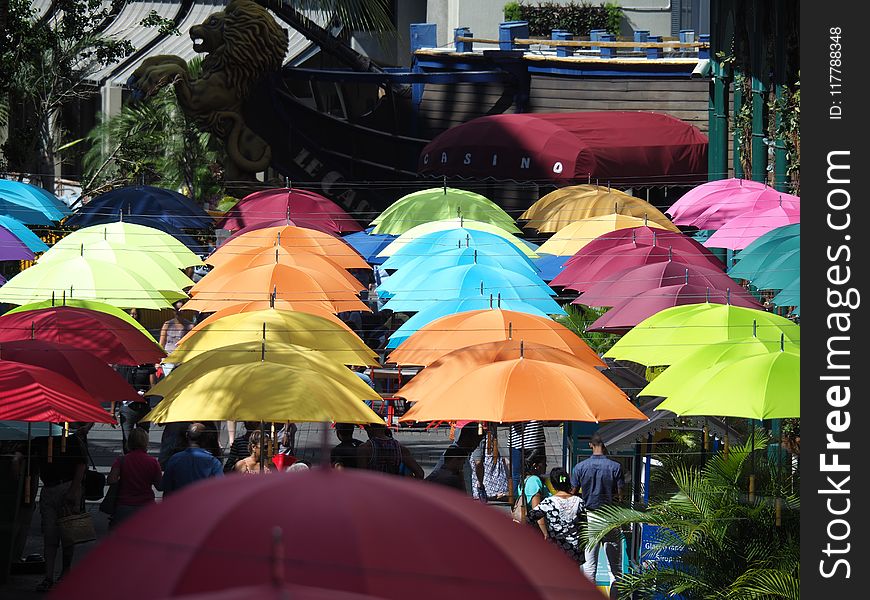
[303,207]
[631,282]
[340,531]
[81,367]
[105,336]
[628,313]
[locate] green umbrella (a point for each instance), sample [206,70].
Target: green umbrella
[437,204]
[754,380]
[672,334]
[62,300]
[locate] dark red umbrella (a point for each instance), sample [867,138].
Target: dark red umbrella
[631,282]
[628,313]
[280,591]
[341,530]
[31,393]
[105,336]
[81,367]
[301,206]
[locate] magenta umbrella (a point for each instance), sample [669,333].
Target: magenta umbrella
[301,206]
[712,204]
[635,280]
[744,229]
[629,312]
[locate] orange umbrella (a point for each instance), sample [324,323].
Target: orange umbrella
[284,282]
[520,389]
[320,309]
[295,239]
[446,334]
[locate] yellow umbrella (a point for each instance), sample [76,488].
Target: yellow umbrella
[576,202]
[337,341]
[568,240]
[260,381]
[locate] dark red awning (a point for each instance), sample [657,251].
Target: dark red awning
[622,148]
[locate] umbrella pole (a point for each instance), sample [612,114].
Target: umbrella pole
[262,437]
[27,475]
[752,464]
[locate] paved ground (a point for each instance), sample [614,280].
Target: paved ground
[105,445]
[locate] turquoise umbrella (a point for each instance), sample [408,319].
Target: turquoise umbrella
[789,296]
[758,255]
[780,272]
[21,231]
[452,239]
[30,204]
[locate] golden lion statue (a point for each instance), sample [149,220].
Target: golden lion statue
[243,42]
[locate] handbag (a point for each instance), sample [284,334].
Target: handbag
[110,500]
[94,482]
[519,510]
[76,528]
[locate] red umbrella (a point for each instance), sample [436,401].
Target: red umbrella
[105,336]
[343,533]
[281,204]
[31,393]
[631,311]
[81,367]
[279,591]
[712,204]
[631,282]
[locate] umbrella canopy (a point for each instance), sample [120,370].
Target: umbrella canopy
[86,304]
[145,201]
[12,248]
[550,265]
[237,382]
[759,380]
[780,272]
[789,296]
[321,309]
[768,247]
[333,339]
[133,238]
[297,222]
[521,389]
[32,393]
[22,431]
[451,332]
[455,239]
[482,551]
[571,238]
[90,280]
[268,206]
[30,204]
[90,373]
[30,239]
[744,229]
[627,284]
[628,312]
[566,205]
[419,231]
[369,244]
[436,204]
[714,203]
[672,334]
[292,238]
[106,336]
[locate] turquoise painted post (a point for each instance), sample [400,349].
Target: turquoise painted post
[759,148]
[718,154]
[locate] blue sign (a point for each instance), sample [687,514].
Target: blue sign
[651,551]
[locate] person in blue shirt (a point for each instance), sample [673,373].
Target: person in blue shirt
[534,489]
[600,481]
[191,464]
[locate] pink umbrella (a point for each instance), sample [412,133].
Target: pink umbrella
[744,229]
[711,205]
[301,206]
[628,313]
[633,281]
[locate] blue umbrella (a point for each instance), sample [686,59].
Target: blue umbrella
[449,307]
[550,265]
[30,239]
[450,239]
[143,202]
[30,204]
[469,281]
[18,430]
[369,244]
[790,295]
[415,273]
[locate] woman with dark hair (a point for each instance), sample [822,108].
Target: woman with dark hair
[562,515]
[534,491]
[136,474]
[257,444]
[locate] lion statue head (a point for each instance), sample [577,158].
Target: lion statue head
[242,41]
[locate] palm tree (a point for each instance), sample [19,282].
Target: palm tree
[578,318]
[730,545]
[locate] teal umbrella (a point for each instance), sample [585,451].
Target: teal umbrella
[779,273]
[789,296]
[21,231]
[759,255]
[453,239]
[30,204]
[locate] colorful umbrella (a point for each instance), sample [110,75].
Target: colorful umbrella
[90,373]
[770,246]
[436,204]
[19,430]
[420,231]
[30,239]
[455,239]
[712,204]
[459,330]
[12,248]
[789,296]
[670,335]
[780,272]
[571,238]
[145,201]
[566,205]
[321,309]
[369,244]
[32,393]
[110,338]
[550,265]
[297,222]
[744,229]
[30,204]
[335,340]
[629,312]
[286,203]
[483,552]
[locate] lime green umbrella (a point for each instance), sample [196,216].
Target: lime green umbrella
[62,300]
[437,204]
[672,334]
[79,277]
[754,380]
[419,231]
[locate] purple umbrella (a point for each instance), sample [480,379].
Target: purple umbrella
[12,248]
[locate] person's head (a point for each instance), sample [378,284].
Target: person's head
[560,480]
[256,443]
[376,430]
[536,462]
[299,465]
[177,306]
[454,459]
[138,439]
[81,428]
[134,313]
[195,434]
[252,425]
[597,444]
[344,431]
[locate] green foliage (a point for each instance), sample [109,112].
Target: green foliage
[789,109]
[578,18]
[578,319]
[512,12]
